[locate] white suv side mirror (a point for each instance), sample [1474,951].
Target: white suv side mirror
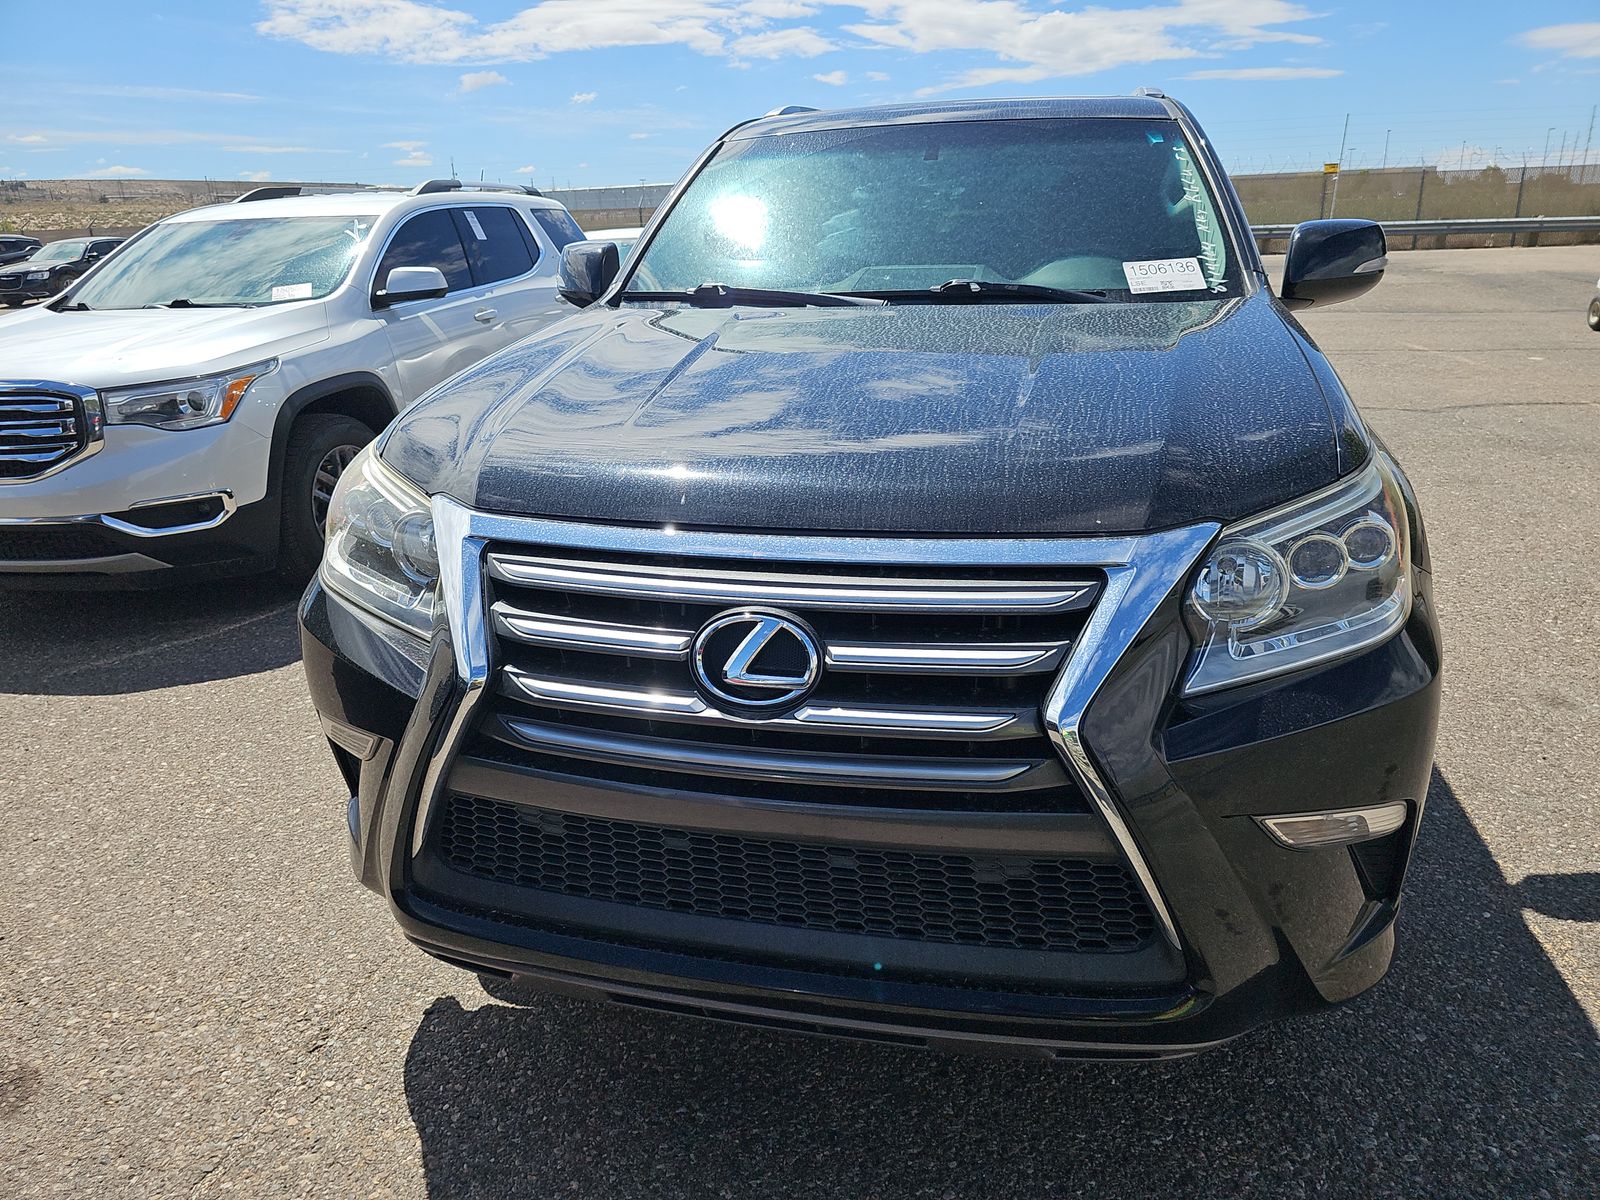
[411,283]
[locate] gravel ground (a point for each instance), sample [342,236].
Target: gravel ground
[196,999]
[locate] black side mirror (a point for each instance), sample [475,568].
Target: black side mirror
[587,270]
[1330,261]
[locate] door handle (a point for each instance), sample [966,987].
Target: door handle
[485,315]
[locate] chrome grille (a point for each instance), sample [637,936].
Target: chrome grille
[41,430]
[930,695]
[10,283]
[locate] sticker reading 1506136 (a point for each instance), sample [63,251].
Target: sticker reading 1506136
[1165,275]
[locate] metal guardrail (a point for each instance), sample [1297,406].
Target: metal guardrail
[1445,228]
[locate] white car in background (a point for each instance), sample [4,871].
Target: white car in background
[189,404]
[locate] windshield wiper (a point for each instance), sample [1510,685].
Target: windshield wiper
[722,295]
[185,302]
[979,291]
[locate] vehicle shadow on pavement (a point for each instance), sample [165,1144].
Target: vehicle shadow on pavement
[1471,1071]
[62,643]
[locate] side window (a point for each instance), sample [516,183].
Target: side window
[496,248]
[104,248]
[558,223]
[428,239]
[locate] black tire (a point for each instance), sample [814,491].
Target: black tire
[1594,314]
[320,447]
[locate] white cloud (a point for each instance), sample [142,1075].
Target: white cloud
[801,42]
[257,148]
[146,92]
[474,81]
[1025,40]
[526,171]
[638,137]
[584,97]
[833,78]
[1581,40]
[1267,73]
[404,145]
[877,76]
[117,172]
[255,176]
[415,159]
[27,139]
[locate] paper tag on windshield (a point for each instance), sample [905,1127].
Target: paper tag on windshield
[292,291]
[477,230]
[1165,275]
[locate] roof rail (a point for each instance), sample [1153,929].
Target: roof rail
[1153,93]
[429,186]
[278,191]
[275,192]
[789,110]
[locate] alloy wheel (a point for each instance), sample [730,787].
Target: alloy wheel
[332,466]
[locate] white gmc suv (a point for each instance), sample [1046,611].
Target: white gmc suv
[188,404]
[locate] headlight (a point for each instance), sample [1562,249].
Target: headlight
[36,276]
[1323,577]
[186,404]
[380,551]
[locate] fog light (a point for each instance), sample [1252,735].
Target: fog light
[1309,831]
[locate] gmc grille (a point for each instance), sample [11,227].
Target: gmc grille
[40,429]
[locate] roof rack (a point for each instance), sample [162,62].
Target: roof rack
[1153,93]
[278,191]
[429,186]
[788,110]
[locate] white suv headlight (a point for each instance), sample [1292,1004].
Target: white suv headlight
[1324,577]
[380,551]
[185,404]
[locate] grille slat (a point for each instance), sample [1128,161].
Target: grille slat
[982,900]
[842,593]
[670,754]
[852,720]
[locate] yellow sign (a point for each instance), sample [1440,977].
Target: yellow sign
[1330,168]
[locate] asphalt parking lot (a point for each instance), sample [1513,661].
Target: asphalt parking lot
[195,998]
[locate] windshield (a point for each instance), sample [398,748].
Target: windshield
[1110,205]
[59,252]
[248,261]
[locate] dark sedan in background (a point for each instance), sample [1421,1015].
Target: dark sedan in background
[14,247]
[51,267]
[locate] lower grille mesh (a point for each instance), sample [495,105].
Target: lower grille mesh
[968,899]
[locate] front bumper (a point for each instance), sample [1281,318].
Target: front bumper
[1259,931]
[141,506]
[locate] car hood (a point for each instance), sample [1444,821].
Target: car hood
[976,419]
[127,346]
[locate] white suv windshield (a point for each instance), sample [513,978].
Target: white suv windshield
[1110,205]
[245,262]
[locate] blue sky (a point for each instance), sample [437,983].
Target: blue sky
[587,92]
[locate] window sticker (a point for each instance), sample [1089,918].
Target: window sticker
[1165,275]
[1213,255]
[292,291]
[477,230]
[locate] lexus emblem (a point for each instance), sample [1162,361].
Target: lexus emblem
[755,659]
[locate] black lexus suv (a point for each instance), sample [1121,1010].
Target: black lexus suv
[935,593]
